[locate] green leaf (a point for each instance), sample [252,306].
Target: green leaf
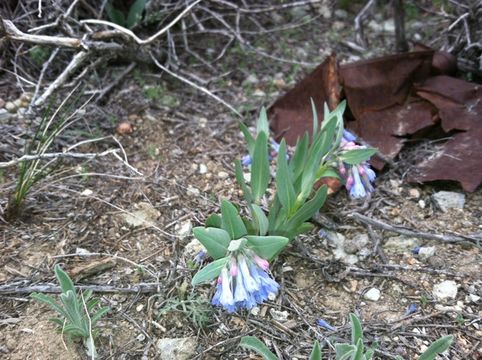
[214,220]
[359,350]
[356,329]
[302,229]
[355,157]
[315,118]
[261,219]
[267,247]
[49,301]
[260,167]
[344,351]
[102,311]
[253,343]
[216,241]
[262,124]
[65,282]
[209,272]
[115,15]
[437,347]
[135,13]
[248,137]
[316,352]
[240,180]
[284,184]
[231,221]
[308,209]
[297,163]
[328,172]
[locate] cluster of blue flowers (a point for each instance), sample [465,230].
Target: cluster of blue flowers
[244,282]
[358,178]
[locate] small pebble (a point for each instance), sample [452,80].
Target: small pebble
[373,294]
[223,175]
[203,169]
[10,106]
[445,290]
[280,316]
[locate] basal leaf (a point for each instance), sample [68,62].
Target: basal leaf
[284,184]
[231,221]
[308,209]
[248,137]
[316,352]
[135,13]
[260,167]
[209,272]
[267,247]
[216,241]
[356,329]
[241,182]
[261,219]
[253,343]
[262,124]
[437,347]
[213,220]
[65,282]
[355,157]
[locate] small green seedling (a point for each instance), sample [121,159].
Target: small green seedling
[77,318]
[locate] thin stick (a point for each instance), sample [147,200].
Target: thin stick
[194,85]
[141,288]
[134,36]
[420,234]
[56,156]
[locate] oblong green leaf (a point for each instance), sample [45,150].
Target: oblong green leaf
[284,183]
[248,137]
[356,156]
[213,220]
[356,329]
[267,247]
[344,351]
[65,282]
[231,221]
[297,163]
[437,347]
[261,219]
[262,125]
[135,13]
[260,167]
[308,209]
[316,352]
[241,182]
[253,343]
[216,241]
[209,272]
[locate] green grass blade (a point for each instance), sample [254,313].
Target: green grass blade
[260,167]
[253,343]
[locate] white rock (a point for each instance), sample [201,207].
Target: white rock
[446,200]
[145,214]
[251,79]
[426,252]
[337,241]
[192,249]
[176,348]
[192,191]
[184,229]
[401,243]
[373,294]
[86,192]
[474,298]
[247,177]
[421,204]
[203,169]
[341,14]
[10,106]
[459,307]
[259,93]
[280,316]
[223,175]
[445,290]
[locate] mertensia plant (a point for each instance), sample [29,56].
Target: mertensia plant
[243,242]
[78,317]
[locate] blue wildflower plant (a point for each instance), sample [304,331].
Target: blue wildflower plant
[242,243]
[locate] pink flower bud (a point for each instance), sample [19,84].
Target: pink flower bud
[234,267]
[262,263]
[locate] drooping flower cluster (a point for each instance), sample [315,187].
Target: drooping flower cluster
[358,178]
[244,282]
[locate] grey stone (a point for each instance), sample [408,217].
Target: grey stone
[337,242]
[357,243]
[5,115]
[446,200]
[10,106]
[251,80]
[177,348]
[445,290]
